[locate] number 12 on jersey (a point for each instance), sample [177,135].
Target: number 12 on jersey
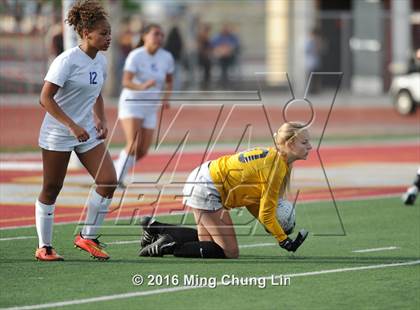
[92,77]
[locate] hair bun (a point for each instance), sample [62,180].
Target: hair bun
[84,14]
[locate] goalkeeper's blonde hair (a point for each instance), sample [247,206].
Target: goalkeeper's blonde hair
[287,132]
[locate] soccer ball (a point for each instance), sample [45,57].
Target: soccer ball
[286,215]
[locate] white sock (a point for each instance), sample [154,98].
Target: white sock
[44,220]
[123,164]
[97,208]
[412,190]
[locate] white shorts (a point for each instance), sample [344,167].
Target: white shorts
[199,191]
[139,109]
[53,141]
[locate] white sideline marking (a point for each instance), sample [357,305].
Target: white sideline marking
[184,288]
[18,238]
[338,270]
[123,242]
[20,166]
[255,245]
[376,249]
[178,213]
[31,225]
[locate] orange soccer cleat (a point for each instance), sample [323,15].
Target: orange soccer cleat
[92,246]
[47,253]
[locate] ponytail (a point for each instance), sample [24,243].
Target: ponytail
[287,132]
[85,14]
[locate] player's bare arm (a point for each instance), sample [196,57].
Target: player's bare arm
[100,118]
[127,82]
[50,105]
[167,91]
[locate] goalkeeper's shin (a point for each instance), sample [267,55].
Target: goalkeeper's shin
[200,249]
[179,233]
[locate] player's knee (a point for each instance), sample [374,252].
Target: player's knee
[140,153]
[51,190]
[107,186]
[232,252]
[106,190]
[131,152]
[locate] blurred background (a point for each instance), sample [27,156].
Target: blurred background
[364,47]
[370,41]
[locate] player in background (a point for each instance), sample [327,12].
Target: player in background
[409,197]
[75,121]
[147,72]
[255,179]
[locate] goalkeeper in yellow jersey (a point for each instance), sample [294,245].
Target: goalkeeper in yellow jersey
[254,179]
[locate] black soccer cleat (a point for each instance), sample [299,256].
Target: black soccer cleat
[164,245]
[149,236]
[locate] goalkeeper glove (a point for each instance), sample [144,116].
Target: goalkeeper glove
[292,245]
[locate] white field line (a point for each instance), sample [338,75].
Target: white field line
[256,245]
[184,288]
[30,226]
[18,238]
[376,249]
[77,222]
[123,242]
[20,166]
[244,246]
[178,213]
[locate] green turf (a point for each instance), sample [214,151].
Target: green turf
[368,224]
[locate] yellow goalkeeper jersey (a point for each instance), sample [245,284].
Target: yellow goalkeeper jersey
[252,179]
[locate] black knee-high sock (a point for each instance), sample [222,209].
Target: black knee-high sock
[180,234]
[200,249]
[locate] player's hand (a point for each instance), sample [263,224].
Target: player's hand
[79,132]
[101,129]
[148,84]
[292,245]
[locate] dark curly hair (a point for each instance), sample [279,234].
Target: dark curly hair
[85,14]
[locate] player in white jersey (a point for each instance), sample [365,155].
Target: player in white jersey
[75,121]
[147,82]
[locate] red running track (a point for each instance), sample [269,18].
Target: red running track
[19,215]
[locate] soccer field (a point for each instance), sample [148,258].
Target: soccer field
[303,111]
[373,264]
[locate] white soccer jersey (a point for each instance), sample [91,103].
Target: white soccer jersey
[80,79]
[146,67]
